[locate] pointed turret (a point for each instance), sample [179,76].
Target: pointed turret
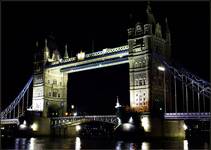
[158,31]
[117,103]
[46,51]
[66,56]
[150,16]
[168,41]
[56,55]
[168,34]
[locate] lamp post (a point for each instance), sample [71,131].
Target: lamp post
[161,68]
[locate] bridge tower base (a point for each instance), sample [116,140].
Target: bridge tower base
[157,127]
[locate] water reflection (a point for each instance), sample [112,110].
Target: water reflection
[185,143]
[76,143]
[145,146]
[120,145]
[32,144]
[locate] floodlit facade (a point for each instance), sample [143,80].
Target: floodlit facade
[146,81]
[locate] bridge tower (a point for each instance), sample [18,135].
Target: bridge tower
[49,84]
[146,81]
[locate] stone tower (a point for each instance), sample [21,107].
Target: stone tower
[146,81]
[49,85]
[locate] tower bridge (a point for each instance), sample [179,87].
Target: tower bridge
[154,83]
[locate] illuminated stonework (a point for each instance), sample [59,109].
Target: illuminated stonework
[146,88]
[81,56]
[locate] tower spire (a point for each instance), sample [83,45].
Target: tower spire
[46,51]
[167,32]
[148,10]
[150,16]
[117,102]
[46,43]
[167,26]
[66,56]
[37,44]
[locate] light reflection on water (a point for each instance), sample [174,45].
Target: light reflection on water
[77,143]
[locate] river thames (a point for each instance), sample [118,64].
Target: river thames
[77,143]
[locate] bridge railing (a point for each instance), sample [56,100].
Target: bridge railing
[190,91]
[105,51]
[60,121]
[193,116]
[18,99]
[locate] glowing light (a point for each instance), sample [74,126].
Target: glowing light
[66,113]
[81,55]
[145,146]
[118,145]
[2,128]
[72,106]
[127,126]
[145,123]
[23,126]
[75,114]
[34,126]
[32,144]
[77,143]
[161,68]
[130,120]
[185,144]
[185,127]
[104,50]
[78,128]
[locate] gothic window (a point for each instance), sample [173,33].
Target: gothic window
[48,81]
[54,94]
[140,82]
[49,94]
[60,83]
[54,82]
[136,82]
[58,95]
[144,81]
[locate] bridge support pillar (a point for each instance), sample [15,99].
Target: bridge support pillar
[42,126]
[157,127]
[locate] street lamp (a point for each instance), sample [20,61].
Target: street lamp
[161,68]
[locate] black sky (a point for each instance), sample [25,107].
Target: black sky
[78,23]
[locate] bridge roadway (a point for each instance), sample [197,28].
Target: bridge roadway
[9,121]
[60,121]
[188,116]
[105,58]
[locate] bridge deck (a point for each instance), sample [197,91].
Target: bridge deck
[186,116]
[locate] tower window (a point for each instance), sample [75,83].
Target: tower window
[49,94]
[140,82]
[54,82]
[54,94]
[58,95]
[48,81]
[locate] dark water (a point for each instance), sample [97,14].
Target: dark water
[78,143]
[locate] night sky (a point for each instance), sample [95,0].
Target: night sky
[105,23]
